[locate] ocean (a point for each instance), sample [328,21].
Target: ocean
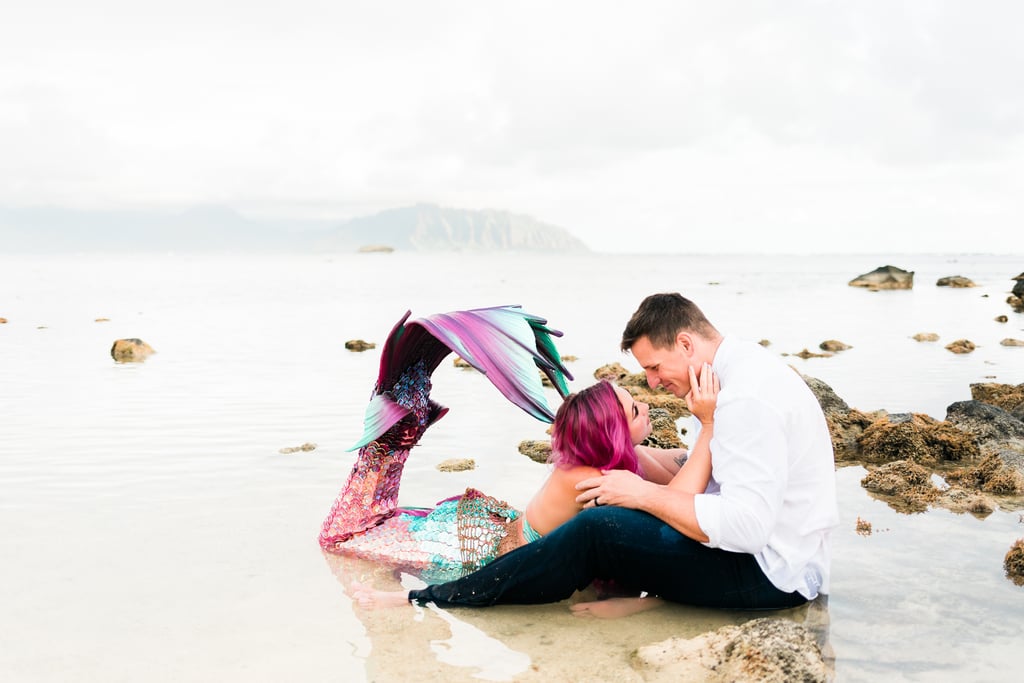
[151,529]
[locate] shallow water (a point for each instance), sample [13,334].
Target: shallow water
[152,530]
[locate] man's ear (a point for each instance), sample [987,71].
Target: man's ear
[684,343]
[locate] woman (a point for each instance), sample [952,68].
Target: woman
[589,436]
[595,429]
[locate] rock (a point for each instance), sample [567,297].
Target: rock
[827,397]
[766,650]
[885,277]
[908,485]
[863,527]
[991,475]
[926,336]
[765,343]
[375,249]
[130,350]
[1012,342]
[569,358]
[359,345]
[102,320]
[664,433]
[1016,302]
[612,372]
[1006,396]
[961,501]
[3,321]
[961,346]
[308,446]
[1013,563]
[810,354]
[918,437]
[1001,319]
[955,281]
[846,428]
[833,345]
[984,421]
[460,362]
[1018,287]
[538,451]
[456,465]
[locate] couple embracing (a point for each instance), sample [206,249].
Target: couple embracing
[741,521]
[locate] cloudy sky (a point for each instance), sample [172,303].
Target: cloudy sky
[852,126]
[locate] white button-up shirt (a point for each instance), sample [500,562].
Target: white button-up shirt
[773,489]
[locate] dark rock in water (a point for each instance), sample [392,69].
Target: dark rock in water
[984,421]
[130,350]
[885,277]
[955,281]
[1018,286]
[827,397]
[359,345]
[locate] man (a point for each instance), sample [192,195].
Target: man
[757,538]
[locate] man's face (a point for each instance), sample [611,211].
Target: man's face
[666,367]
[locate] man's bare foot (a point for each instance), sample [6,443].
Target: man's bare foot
[613,608]
[371,598]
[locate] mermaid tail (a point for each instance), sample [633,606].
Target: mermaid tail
[504,343]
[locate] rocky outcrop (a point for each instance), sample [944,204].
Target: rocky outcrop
[916,437]
[130,350]
[636,385]
[885,277]
[955,281]
[1006,396]
[765,650]
[664,433]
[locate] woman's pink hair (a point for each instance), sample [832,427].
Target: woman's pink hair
[591,429]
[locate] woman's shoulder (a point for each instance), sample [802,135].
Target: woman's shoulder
[573,475]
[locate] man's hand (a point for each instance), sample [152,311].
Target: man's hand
[614,487]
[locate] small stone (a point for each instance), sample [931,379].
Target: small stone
[456,465]
[955,281]
[961,346]
[130,350]
[863,527]
[295,449]
[926,336]
[1001,319]
[1012,342]
[102,320]
[359,345]
[764,342]
[833,345]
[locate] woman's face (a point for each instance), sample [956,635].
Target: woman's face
[636,416]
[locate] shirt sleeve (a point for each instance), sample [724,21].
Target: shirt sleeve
[748,460]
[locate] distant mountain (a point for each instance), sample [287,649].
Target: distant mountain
[424,227]
[427,227]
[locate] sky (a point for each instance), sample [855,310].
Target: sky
[681,127]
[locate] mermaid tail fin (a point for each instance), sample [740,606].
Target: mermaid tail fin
[504,343]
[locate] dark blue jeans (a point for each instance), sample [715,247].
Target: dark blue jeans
[634,549]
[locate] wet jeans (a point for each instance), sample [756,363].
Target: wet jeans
[635,550]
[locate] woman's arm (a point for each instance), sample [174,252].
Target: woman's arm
[660,464]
